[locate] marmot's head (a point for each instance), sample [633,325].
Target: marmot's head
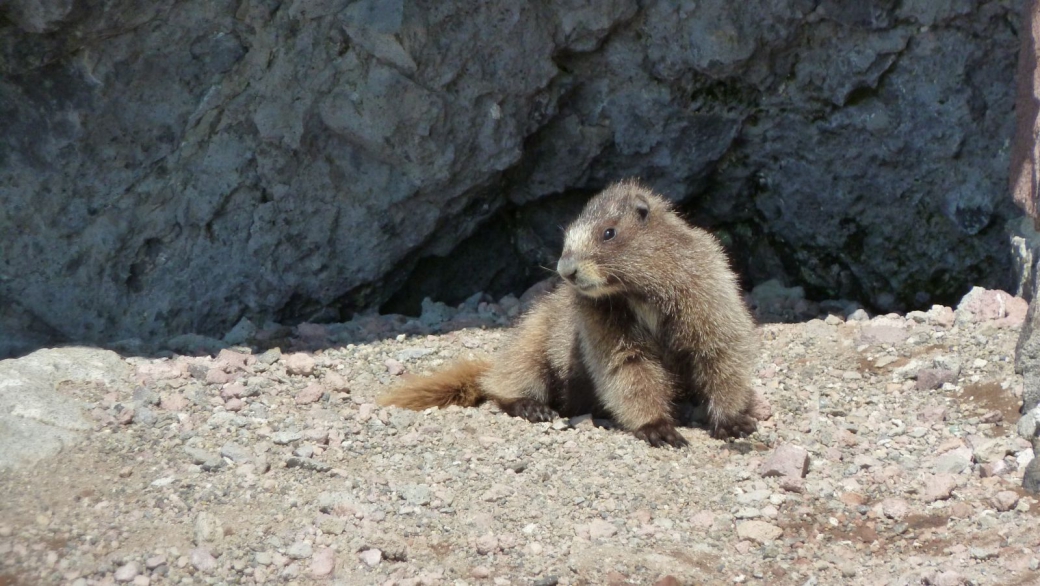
[606,248]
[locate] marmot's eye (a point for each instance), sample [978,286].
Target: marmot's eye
[608,234]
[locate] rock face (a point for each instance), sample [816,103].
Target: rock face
[170,169]
[1025,171]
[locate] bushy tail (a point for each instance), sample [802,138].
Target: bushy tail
[458,384]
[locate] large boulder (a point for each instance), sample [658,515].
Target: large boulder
[167,168]
[41,407]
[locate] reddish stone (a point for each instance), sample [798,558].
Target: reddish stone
[299,364]
[335,383]
[938,487]
[310,394]
[853,499]
[231,361]
[218,376]
[934,378]
[173,402]
[787,460]
[760,408]
[233,390]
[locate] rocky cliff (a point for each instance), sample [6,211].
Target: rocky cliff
[173,167]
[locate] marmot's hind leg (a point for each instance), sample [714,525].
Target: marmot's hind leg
[518,379]
[529,409]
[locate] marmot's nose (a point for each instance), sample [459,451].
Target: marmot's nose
[567,267]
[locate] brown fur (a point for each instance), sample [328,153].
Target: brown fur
[648,317]
[456,385]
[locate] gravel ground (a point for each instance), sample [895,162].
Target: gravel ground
[891,456]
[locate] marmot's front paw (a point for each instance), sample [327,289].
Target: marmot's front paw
[737,426]
[661,433]
[530,410]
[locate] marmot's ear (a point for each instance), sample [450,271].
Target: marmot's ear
[643,209]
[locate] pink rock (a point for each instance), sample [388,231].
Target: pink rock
[950,444]
[393,367]
[796,485]
[335,383]
[371,557]
[232,391]
[852,499]
[760,407]
[365,411]
[992,417]
[988,304]
[127,572]
[882,334]
[941,315]
[934,378]
[203,560]
[163,370]
[126,416]
[600,529]
[895,508]
[1005,500]
[310,394]
[231,361]
[234,405]
[998,467]
[1016,313]
[949,578]
[938,487]
[932,414]
[323,563]
[218,376]
[318,436]
[703,519]
[299,364]
[486,544]
[786,460]
[961,510]
[758,531]
[173,402]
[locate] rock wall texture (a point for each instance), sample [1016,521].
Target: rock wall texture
[1025,171]
[173,167]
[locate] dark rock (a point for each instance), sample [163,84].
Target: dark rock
[1027,355]
[1031,476]
[181,175]
[307,464]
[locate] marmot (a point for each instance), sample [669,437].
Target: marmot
[649,314]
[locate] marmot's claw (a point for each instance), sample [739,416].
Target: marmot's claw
[530,410]
[661,433]
[739,426]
